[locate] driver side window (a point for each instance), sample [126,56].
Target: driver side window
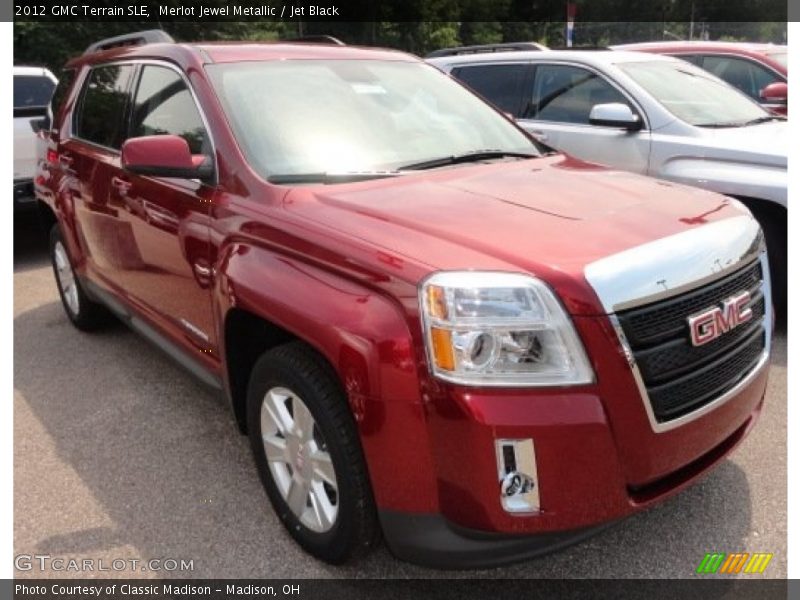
[566,94]
[163,105]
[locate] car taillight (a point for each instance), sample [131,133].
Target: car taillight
[52,157]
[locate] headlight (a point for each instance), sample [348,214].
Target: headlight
[499,329]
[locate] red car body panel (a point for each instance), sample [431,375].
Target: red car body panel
[276,251]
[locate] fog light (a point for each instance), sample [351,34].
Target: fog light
[516,468]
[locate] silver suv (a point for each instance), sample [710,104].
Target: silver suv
[656,115]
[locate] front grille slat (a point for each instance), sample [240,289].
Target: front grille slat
[677,356]
[699,387]
[679,377]
[661,320]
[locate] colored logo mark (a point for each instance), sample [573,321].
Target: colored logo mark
[739,562]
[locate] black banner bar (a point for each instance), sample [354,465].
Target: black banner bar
[417,589]
[587,11]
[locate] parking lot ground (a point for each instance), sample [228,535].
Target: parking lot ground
[120,454]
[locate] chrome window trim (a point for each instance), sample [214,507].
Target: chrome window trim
[745,244]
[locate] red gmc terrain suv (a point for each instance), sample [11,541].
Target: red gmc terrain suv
[429,327]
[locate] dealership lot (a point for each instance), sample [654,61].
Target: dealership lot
[119,454]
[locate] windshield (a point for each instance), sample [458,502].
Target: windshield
[329,116]
[694,95]
[32,90]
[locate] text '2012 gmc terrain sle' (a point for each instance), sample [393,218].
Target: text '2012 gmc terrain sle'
[429,328]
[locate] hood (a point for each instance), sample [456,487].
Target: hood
[762,144]
[549,217]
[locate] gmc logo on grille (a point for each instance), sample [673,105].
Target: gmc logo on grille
[708,325]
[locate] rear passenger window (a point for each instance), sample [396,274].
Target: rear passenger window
[102,109]
[164,105]
[566,94]
[500,84]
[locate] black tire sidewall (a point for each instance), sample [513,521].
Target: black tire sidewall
[55,238]
[334,545]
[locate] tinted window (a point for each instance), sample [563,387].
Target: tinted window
[164,105]
[103,106]
[32,90]
[744,75]
[500,84]
[61,91]
[567,94]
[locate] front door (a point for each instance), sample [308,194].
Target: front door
[167,274]
[557,113]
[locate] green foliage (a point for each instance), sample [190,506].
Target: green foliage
[438,24]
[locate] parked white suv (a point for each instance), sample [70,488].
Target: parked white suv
[656,115]
[33,88]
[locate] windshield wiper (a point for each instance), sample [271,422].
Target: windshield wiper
[330,177]
[475,156]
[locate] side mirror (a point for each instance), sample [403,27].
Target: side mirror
[164,156]
[615,114]
[775,93]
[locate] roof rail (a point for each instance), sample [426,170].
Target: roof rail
[508,47]
[317,39]
[579,48]
[137,38]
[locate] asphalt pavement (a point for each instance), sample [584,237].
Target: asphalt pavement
[119,454]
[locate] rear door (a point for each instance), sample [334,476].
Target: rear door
[556,111]
[88,155]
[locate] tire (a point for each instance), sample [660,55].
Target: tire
[316,479]
[773,222]
[84,313]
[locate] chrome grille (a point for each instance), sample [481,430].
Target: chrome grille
[680,378]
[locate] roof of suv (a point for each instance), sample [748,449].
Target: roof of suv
[597,58]
[704,45]
[225,52]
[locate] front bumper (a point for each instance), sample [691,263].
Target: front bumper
[582,486]
[431,541]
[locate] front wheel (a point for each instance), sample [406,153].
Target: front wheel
[308,454]
[772,219]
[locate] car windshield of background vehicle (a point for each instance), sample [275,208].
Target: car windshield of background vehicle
[693,95]
[32,90]
[315,116]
